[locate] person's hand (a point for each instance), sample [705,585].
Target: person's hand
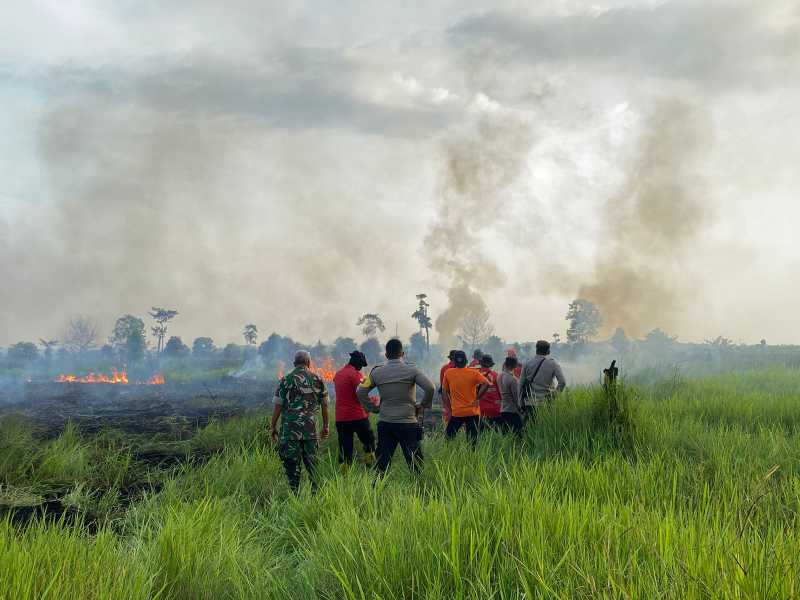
[274,436]
[324,433]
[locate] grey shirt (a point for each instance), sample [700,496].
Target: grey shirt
[543,383]
[396,382]
[509,393]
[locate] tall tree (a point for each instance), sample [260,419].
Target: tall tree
[342,347]
[584,321]
[22,354]
[371,348]
[161,316]
[475,328]
[370,323]
[128,338]
[81,334]
[422,317]
[250,334]
[417,347]
[175,348]
[619,341]
[125,326]
[203,347]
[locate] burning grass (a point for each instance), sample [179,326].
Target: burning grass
[701,500]
[116,377]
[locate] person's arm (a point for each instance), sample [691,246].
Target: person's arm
[276,415]
[483,386]
[427,387]
[276,412]
[523,382]
[559,375]
[363,394]
[325,431]
[514,387]
[446,394]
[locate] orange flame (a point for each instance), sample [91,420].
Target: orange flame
[116,377]
[326,371]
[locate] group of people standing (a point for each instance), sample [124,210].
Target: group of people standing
[473,396]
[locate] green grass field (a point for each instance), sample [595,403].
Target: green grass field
[695,495]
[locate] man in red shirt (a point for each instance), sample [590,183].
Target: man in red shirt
[351,418]
[490,401]
[442,371]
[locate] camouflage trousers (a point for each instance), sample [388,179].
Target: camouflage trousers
[292,454]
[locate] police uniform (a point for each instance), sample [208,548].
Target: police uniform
[397,381]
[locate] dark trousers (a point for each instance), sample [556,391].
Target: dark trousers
[345,431]
[292,453]
[495,423]
[408,435]
[511,423]
[470,423]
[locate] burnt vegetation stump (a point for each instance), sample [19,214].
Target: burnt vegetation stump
[613,410]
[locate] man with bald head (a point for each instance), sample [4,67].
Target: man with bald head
[299,394]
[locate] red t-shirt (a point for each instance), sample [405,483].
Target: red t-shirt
[348,408]
[490,401]
[443,370]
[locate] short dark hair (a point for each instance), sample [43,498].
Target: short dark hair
[478,354]
[487,361]
[394,348]
[510,363]
[542,347]
[460,359]
[357,359]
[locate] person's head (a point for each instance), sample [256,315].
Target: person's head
[394,349]
[451,354]
[542,348]
[459,359]
[511,352]
[510,363]
[302,359]
[357,360]
[478,354]
[487,362]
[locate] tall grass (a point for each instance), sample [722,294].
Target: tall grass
[699,499]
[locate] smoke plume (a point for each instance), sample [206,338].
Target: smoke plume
[479,168]
[653,226]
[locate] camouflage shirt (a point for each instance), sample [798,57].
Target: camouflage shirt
[299,394]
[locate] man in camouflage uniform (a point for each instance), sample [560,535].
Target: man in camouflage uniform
[296,400]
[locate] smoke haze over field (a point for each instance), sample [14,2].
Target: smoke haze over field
[296,167]
[651,227]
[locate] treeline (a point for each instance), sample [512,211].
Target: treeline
[79,350]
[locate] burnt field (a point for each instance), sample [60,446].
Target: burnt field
[132,408]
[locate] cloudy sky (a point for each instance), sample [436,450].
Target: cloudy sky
[299,164]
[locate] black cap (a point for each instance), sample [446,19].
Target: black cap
[460,358]
[358,359]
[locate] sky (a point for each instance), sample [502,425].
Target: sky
[295,165]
